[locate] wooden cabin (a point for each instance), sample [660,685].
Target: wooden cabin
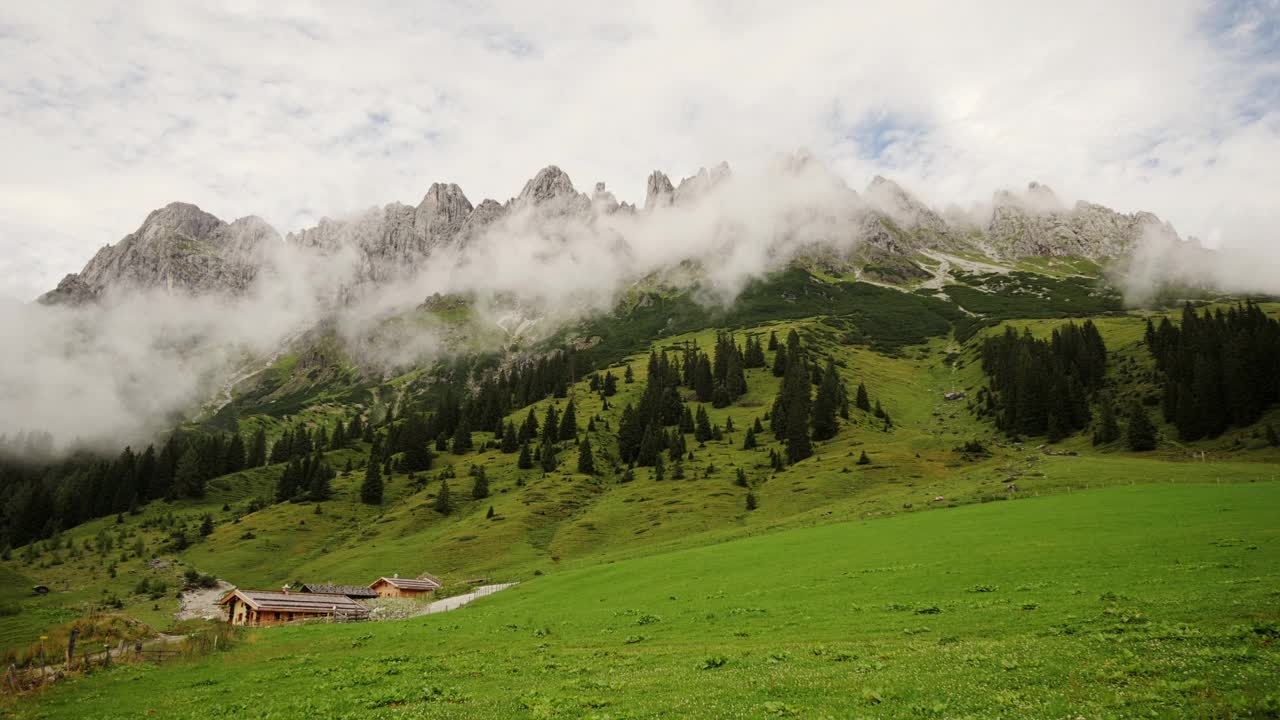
[355,592]
[404,587]
[267,607]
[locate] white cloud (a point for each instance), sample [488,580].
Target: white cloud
[293,111]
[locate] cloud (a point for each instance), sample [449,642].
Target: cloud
[299,110]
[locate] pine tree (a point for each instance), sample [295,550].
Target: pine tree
[586,460]
[702,426]
[480,487]
[629,376]
[529,430]
[510,440]
[749,442]
[826,404]
[861,401]
[740,478]
[206,525]
[1141,434]
[443,503]
[525,461]
[752,503]
[659,469]
[686,420]
[371,488]
[551,426]
[773,341]
[547,454]
[188,480]
[610,386]
[257,456]
[569,423]
[235,456]
[863,459]
[415,440]
[1108,430]
[462,442]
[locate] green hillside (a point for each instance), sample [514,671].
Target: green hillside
[1146,601]
[919,463]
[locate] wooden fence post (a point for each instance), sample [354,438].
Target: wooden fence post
[71,648]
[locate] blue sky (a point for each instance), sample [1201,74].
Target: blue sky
[111,110]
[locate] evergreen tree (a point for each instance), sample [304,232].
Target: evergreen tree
[415,441]
[443,503]
[686,420]
[235,455]
[586,460]
[780,363]
[206,525]
[749,442]
[793,403]
[628,376]
[659,469]
[752,503]
[551,426]
[289,480]
[1107,430]
[525,461]
[510,440]
[826,404]
[861,401]
[702,427]
[863,459]
[319,484]
[257,456]
[773,340]
[569,423]
[650,446]
[529,430]
[462,442]
[371,488]
[338,439]
[740,478]
[547,455]
[480,486]
[489,515]
[610,386]
[1141,435]
[188,478]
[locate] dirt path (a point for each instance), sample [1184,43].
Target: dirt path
[457,601]
[202,604]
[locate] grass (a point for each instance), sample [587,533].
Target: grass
[1151,601]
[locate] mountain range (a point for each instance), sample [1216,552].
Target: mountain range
[883,233]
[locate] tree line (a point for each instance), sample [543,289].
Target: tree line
[1220,369]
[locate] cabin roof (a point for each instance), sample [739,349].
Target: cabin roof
[315,603]
[351,591]
[408,583]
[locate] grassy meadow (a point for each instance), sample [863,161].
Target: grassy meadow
[1143,601]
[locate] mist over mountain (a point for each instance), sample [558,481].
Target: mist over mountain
[170,316]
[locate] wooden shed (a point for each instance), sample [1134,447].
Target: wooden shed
[404,587]
[355,592]
[267,607]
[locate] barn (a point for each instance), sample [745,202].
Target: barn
[404,587]
[267,607]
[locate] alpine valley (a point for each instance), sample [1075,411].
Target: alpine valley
[756,446]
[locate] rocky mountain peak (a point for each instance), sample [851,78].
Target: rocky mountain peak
[550,183]
[658,190]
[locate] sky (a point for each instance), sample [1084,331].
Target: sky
[294,111]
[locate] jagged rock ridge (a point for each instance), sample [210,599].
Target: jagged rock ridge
[180,247]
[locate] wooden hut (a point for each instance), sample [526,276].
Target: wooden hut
[404,587]
[267,607]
